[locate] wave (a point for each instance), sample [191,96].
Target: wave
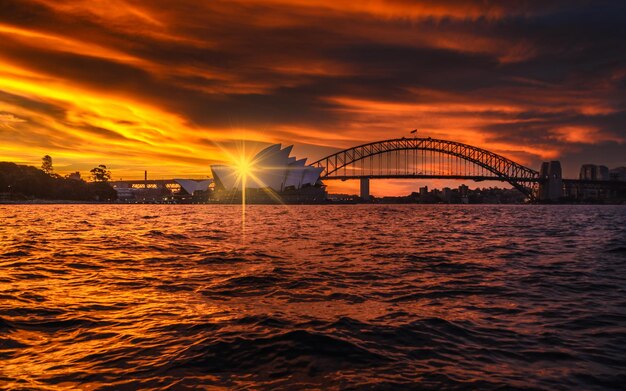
[402,297]
[284,353]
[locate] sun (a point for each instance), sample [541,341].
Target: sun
[244,166]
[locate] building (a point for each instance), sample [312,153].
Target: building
[463,192]
[191,186]
[446,195]
[161,190]
[593,172]
[270,176]
[618,174]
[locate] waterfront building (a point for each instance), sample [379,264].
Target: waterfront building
[593,172]
[160,190]
[603,173]
[463,192]
[618,174]
[191,185]
[270,176]
[446,194]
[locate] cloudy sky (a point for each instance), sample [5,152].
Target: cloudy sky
[166,85]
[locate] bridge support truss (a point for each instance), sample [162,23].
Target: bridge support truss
[425,158]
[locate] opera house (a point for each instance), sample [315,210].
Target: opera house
[270,176]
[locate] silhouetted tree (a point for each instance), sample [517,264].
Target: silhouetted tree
[46,165]
[74,176]
[100,174]
[27,182]
[102,191]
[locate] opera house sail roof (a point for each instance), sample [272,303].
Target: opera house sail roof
[192,185]
[272,168]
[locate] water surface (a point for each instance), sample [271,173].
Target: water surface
[333,297]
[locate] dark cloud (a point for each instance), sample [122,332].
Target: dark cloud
[518,73]
[33,104]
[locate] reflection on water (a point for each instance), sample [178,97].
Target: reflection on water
[153,296]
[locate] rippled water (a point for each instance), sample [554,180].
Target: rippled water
[375,297]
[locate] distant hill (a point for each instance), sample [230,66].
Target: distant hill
[20,182]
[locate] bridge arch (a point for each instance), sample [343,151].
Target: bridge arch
[495,167]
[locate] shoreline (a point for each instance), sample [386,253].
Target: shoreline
[72,202]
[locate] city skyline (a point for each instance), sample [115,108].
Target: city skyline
[142,86]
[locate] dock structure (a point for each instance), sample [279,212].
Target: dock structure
[159,190]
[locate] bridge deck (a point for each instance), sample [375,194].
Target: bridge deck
[427,176]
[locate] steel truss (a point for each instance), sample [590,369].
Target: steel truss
[426,158]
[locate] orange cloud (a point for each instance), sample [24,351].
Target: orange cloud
[8,120]
[583,135]
[64,44]
[401,9]
[168,86]
[94,123]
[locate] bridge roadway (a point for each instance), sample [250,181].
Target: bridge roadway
[476,178]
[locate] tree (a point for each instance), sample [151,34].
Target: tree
[100,174]
[46,165]
[27,182]
[102,191]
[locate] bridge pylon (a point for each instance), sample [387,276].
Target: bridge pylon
[365,189]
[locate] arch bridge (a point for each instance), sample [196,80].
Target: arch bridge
[425,158]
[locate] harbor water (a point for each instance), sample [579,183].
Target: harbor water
[109,297]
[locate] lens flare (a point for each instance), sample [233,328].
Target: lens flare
[244,167]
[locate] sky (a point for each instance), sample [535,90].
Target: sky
[170,86]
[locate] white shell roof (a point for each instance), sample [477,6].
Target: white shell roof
[225,176]
[272,167]
[191,185]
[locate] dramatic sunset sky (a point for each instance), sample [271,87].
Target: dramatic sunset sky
[162,85]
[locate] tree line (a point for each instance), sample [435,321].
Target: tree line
[21,182]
